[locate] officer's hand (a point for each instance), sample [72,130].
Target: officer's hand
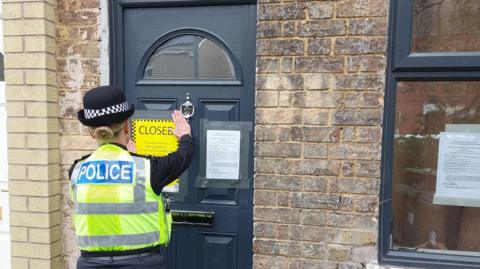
[181,125]
[131,146]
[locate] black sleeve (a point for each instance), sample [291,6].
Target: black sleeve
[166,169]
[70,171]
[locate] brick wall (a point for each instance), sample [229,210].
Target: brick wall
[320,82]
[78,57]
[32,126]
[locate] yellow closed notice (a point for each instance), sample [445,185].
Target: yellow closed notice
[154,137]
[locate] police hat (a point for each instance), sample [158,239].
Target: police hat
[104,105]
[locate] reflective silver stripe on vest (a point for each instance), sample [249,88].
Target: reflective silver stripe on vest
[139,189]
[118,240]
[116,208]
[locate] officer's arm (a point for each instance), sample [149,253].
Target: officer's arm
[70,171]
[166,169]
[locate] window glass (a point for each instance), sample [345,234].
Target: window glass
[189,57]
[446,26]
[423,109]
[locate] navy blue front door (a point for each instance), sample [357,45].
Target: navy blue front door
[163,51]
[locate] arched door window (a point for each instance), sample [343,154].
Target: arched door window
[189,56]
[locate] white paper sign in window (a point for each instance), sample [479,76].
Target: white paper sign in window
[458,172]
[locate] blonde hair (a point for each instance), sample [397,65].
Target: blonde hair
[107,134]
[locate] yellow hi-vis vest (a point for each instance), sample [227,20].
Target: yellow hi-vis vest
[115,206]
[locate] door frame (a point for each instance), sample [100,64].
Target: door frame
[116,54]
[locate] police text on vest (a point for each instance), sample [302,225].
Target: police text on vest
[106,172]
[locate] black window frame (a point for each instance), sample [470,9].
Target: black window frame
[403,65]
[401,20]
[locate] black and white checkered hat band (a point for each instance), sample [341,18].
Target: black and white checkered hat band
[93,113]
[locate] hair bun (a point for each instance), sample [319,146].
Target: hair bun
[104,134]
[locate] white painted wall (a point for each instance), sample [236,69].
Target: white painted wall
[4,222]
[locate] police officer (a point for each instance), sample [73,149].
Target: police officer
[119,216]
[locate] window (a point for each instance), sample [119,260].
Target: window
[433,86]
[189,56]
[446,26]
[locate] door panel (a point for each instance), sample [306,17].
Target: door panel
[220,110]
[217,251]
[220,196]
[217,110]
[157,104]
[140,31]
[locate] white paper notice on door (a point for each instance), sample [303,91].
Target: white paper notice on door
[458,172]
[223,154]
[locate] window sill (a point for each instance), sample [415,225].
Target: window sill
[428,260]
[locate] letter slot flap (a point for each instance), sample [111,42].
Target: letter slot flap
[200,218]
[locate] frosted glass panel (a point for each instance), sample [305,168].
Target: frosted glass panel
[189,57]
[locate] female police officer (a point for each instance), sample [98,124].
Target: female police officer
[119,215]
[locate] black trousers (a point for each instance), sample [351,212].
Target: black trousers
[152,260]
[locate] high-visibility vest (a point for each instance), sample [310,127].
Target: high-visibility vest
[115,206]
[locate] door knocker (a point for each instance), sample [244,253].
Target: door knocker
[187,109]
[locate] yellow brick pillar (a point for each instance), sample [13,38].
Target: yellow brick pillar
[33,138]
